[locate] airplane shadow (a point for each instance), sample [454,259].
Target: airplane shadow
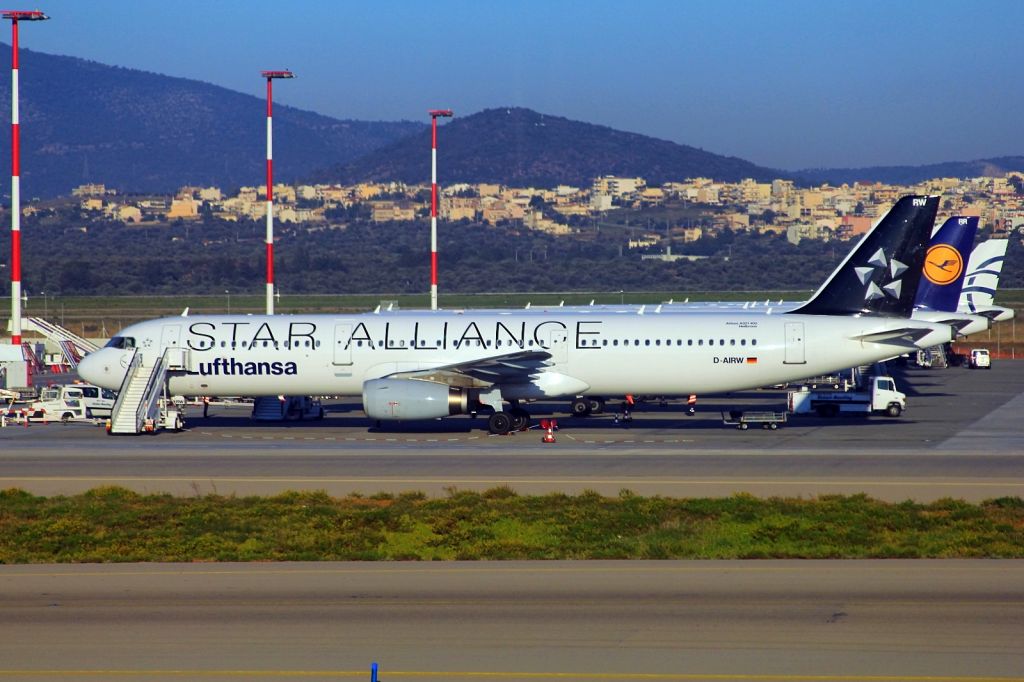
[646,418]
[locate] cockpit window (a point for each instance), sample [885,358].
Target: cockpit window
[124,342]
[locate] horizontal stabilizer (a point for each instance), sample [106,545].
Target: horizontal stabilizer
[905,336]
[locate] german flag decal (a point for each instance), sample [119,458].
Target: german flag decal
[751,361]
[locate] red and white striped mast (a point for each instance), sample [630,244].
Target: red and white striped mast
[434,115]
[15,16]
[270,76]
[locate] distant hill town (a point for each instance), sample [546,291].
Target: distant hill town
[139,132]
[613,232]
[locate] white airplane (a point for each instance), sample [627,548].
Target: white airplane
[430,364]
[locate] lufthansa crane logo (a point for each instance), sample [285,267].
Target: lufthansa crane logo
[943,264]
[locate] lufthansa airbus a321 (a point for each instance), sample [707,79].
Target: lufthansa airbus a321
[428,364]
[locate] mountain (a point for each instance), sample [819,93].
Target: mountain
[910,175]
[82,121]
[138,131]
[520,147]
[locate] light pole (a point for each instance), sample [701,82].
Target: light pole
[228,292]
[434,115]
[270,76]
[15,16]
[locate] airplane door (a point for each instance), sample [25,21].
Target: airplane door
[795,343]
[343,344]
[170,337]
[558,345]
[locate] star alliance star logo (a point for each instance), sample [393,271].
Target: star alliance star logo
[881,267]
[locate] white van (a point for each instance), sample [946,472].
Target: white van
[99,402]
[980,359]
[74,401]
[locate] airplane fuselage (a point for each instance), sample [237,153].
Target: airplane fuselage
[602,353]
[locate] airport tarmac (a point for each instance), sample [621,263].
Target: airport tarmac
[786,621]
[962,436]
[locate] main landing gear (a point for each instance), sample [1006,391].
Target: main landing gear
[584,407]
[515,419]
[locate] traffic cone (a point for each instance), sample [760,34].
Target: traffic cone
[549,431]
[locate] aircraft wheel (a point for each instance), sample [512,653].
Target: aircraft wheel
[580,407]
[520,419]
[499,423]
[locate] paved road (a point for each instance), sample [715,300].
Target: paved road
[870,620]
[962,437]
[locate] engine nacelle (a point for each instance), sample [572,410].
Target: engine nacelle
[412,399]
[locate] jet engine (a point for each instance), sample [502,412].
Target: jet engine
[412,399]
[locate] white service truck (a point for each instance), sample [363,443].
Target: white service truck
[58,403]
[879,397]
[72,401]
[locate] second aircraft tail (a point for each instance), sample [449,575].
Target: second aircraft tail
[944,264]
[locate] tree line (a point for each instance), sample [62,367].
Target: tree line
[362,257]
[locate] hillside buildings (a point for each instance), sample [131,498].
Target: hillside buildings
[779,207]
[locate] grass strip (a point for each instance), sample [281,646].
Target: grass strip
[117,525]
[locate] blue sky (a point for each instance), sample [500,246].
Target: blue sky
[784,84]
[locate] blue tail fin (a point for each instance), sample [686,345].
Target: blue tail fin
[945,264]
[880,276]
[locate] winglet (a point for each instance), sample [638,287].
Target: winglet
[881,274]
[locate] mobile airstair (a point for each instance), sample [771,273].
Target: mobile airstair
[72,346]
[142,402]
[34,363]
[71,354]
[57,334]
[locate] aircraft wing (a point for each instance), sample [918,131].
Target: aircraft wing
[517,367]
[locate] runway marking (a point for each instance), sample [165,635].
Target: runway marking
[467,674]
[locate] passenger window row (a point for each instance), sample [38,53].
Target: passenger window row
[584,343]
[437,344]
[593,343]
[202,345]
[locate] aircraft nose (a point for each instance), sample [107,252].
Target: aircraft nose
[102,368]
